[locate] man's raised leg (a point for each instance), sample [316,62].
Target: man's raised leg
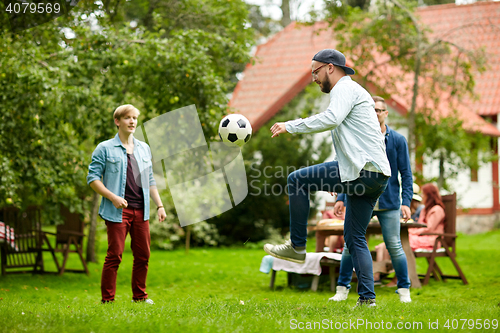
[300,183]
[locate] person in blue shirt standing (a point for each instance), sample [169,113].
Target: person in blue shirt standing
[387,209]
[361,169]
[121,171]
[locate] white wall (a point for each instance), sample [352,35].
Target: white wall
[469,194]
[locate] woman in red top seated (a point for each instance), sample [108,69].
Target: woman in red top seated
[433,215]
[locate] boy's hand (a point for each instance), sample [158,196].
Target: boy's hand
[119,202]
[162,214]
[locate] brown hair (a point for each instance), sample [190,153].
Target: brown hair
[432,197]
[379,99]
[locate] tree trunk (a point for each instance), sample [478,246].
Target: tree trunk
[361,4]
[91,254]
[441,170]
[411,114]
[148,19]
[285,8]
[188,238]
[416,74]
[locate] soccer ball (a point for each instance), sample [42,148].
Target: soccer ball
[235,129]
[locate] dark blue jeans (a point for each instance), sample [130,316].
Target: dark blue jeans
[389,221]
[361,196]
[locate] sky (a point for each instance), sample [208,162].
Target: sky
[299,8]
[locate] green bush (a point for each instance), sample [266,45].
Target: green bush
[168,235]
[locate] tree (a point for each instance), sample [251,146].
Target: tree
[40,152]
[62,80]
[262,25]
[447,141]
[441,72]
[223,42]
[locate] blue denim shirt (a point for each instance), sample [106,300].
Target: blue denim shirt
[109,164]
[396,149]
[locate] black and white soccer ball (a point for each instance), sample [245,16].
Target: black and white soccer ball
[235,129]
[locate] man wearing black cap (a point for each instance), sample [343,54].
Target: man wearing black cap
[360,169]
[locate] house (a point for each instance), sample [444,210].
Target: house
[282,69]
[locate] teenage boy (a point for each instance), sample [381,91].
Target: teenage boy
[121,171]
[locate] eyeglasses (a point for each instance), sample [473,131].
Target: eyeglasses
[315,72]
[380,110]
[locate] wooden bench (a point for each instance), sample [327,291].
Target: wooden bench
[333,269]
[26,250]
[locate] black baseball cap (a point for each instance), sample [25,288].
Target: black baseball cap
[334,57]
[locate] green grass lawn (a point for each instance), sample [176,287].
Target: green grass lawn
[222,290]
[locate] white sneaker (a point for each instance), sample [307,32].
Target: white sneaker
[340,295]
[146,301]
[404,295]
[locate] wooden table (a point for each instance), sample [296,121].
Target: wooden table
[374,228]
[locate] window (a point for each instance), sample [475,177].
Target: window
[473,175]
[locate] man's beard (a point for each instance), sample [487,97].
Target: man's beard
[326,85]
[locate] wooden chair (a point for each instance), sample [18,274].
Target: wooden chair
[26,251]
[447,240]
[70,233]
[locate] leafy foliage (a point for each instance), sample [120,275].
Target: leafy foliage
[447,141]
[168,235]
[41,158]
[61,81]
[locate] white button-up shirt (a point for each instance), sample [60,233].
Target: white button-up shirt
[355,129]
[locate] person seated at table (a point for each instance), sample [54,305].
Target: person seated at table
[334,243]
[432,215]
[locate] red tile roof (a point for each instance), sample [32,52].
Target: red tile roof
[481,22]
[282,66]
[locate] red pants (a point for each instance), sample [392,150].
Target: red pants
[133,222]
